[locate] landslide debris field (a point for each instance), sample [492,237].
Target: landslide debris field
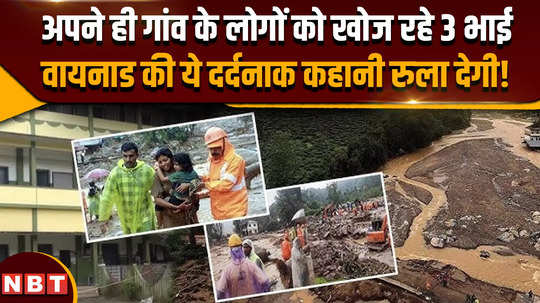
[465,210]
[482,212]
[416,273]
[403,209]
[492,195]
[407,287]
[339,250]
[480,125]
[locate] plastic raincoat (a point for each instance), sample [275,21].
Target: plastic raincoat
[241,277]
[94,204]
[300,236]
[129,190]
[227,185]
[299,266]
[286,249]
[253,257]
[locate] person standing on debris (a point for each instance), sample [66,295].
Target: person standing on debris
[249,251]
[94,194]
[300,235]
[292,233]
[240,277]
[286,246]
[299,266]
[225,180]
[128,187]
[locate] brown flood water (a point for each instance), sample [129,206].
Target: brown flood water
[519,272]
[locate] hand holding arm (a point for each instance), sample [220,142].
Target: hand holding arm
[182,187]
[160,173]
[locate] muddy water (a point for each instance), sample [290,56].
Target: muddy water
[520,272]
[512,132]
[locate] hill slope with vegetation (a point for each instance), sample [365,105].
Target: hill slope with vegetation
[300,146]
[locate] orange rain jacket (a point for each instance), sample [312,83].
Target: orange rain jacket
[300,235]
[286,249]
[227,185]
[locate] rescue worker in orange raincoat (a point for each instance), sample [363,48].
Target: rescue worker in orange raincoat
[286,246]
[300,235]
[225,181]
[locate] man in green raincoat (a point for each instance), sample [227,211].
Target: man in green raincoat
[128,187]
[249,252]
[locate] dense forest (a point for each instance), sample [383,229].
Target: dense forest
[303,146]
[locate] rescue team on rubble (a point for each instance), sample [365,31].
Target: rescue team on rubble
[164,196]
[354,207]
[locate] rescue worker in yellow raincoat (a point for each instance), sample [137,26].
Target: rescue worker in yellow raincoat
[225,181]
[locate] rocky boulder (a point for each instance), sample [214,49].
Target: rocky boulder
[506,237]
[437,242]
[450,223]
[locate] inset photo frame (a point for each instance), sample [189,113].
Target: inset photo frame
[170,177]
[317,234]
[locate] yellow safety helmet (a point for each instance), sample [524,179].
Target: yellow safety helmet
[235,240]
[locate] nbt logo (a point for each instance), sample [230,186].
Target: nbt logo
[37,278]
[34,284]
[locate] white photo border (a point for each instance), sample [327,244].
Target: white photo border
[88,240]
[315,285]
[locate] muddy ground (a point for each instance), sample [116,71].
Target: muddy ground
[403,209]
[480,125]
[419,274]
[339,249]
[408,287]
[495,208]
[192,282]
[416,192]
